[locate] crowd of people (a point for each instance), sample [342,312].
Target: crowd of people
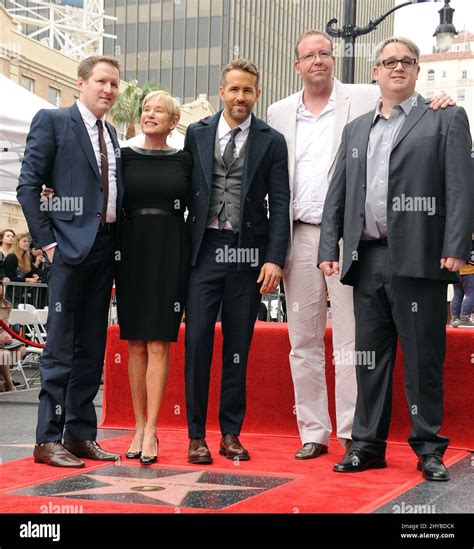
[266,202]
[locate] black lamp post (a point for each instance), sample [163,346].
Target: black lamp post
[349,32]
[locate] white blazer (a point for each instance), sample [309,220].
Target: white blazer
[352,100]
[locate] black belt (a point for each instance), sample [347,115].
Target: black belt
[298,222]
[106,227]
[150,211]
[380,242]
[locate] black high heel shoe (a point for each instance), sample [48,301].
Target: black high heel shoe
[148,460]
[133,455]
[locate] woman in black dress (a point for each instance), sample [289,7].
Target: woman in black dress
[154,264]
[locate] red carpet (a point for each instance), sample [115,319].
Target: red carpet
[270,398]
[312,487]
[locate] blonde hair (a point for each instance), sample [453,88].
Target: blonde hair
[312,32]
[171,104]
[24,260]
[4,303]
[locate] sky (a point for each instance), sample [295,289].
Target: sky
[419,22]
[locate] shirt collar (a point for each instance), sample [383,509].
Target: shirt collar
[89,118]
[405,106]
[331,100]
[224,128]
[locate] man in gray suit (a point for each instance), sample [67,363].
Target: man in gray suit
[312,122]
[402,199]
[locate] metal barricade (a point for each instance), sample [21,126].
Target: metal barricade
[22,293]
[276,307]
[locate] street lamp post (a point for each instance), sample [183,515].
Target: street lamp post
[349,32]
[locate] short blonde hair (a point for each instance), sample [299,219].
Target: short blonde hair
[170,103]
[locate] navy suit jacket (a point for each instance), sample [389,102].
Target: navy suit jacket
[265,173]
[59,154]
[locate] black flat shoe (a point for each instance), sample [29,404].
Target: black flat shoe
[148,460]
[133,455]
[433,467]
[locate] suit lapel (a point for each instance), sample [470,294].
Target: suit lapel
[417,111]
[290,123]
[362,141]
[342,115]
[205,142]
[257,144]
[80,130]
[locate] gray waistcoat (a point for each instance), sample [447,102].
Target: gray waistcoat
[226,187]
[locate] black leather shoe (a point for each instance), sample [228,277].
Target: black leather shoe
[231,448]
[433,467]
[89,449]
[357,460]
[198,451]
[311,450]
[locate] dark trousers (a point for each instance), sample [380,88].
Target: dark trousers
[212,283]
[387,306]
[73,358]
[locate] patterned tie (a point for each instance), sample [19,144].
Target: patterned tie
[104,170]
[230,151]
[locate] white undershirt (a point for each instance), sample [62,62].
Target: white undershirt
[90,121]
[314,139]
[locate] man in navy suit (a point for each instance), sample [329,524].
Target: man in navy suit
[75,152]
[238,250]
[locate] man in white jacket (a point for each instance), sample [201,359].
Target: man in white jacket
[312,122]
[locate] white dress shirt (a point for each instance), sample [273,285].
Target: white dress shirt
[90,121]
[223,135]
[314,137]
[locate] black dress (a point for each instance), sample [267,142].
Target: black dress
[154,246]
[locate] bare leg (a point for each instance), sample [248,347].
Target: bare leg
[156,376]
[137,370]
[5,361]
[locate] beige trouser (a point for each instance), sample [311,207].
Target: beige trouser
[306,287]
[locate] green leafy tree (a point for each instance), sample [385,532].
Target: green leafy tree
[127,107]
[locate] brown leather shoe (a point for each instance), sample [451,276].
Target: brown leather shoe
[232,449]
[54,453]
[89,449]
[311,450]
[198,451]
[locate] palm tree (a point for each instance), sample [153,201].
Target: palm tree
[127,107]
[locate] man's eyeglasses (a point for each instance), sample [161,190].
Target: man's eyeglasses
[406,62]
[310,57]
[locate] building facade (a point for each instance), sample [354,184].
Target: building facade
[183,44]
[38,68]
[451,72]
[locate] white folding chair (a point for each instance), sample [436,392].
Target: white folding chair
[26,317]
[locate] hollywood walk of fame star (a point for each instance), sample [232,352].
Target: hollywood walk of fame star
[171,489]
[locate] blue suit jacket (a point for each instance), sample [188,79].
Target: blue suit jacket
[265,173]
[59,154]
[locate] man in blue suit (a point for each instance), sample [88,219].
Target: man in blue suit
[238,250]
[75,152]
